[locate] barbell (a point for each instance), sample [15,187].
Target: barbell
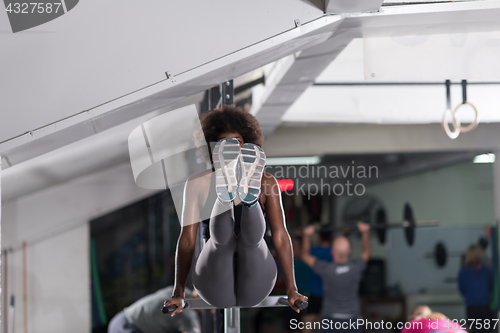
[408,224]
[441,254]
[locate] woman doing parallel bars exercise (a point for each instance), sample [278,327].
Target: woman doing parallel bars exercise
[230,200]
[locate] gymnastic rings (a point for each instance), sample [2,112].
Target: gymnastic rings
[472,125]
[446,127]
[457,125]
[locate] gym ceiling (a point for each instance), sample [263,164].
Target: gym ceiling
[74,88]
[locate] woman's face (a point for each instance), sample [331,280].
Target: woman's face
[231,135]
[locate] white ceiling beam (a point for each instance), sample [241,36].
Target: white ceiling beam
[371,139]
[166,92]
[351,6]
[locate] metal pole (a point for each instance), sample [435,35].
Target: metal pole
[496,195]
[151,218]
[25,290]
[232,320]
[166,235]
[4,288]
[1,257]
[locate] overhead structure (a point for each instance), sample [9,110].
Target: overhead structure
[335,30]
[352,6]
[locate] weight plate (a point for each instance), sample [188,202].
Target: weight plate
[381,219]
[410,228]
[440,254]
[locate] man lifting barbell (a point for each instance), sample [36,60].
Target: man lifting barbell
[340,277]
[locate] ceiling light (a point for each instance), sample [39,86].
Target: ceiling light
[303,160]
[484,158]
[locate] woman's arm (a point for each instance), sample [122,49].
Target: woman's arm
[281,238]
[185,244]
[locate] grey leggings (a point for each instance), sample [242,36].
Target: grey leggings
[215,277]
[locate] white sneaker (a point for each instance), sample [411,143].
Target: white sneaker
[253,161]
[225,156]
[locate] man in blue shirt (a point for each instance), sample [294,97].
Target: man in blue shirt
[475,282]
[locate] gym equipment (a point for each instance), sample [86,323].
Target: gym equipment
[409,224]
[457,125]
[215,97]
[268,302]
[232,315]
[441,254]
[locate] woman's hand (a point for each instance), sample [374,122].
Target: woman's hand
[177,301]
[294,296]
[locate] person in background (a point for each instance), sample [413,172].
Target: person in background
[475,282]
[145,316]
[340,277]
[420,311]
[432,322]
[323,252]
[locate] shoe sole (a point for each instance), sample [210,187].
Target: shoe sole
[253,161]
[225,156]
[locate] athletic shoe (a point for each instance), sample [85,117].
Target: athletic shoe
[253,161]
[226,156]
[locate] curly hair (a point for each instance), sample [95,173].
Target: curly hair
[228,119]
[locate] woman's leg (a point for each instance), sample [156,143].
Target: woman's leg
[213,276]
[256,271]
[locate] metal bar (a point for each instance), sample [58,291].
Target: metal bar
[5,291]
[232,320]
[249,85]
[448,94]
[403,224]
[151,236]
[397,83]
[420,223]
[464,91]
[269,302]
[25,290]
[166,235]
[227,92]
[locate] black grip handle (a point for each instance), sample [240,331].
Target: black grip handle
[168,309]
[172,308]
[300,304]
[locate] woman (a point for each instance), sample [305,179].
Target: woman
[475,281]
[217,279]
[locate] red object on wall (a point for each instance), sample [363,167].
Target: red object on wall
[285,184]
